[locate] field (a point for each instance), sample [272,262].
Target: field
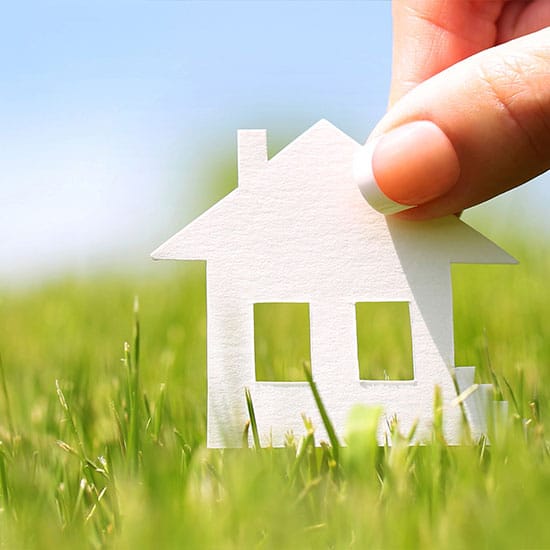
[103,443]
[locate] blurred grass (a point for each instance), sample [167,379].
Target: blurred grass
[115,456]
[384,344]
[281,341]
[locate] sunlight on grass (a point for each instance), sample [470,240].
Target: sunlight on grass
[103,443]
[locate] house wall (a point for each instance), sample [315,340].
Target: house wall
[228,366]
[279,406]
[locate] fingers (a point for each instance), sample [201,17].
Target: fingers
[429,36]
[519,18]
[485,129]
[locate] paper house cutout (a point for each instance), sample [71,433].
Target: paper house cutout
[297,229]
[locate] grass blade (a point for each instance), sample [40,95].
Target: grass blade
[7,400]
[252,416]
[4,480]
[324,415]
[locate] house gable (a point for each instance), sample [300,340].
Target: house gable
[306,193]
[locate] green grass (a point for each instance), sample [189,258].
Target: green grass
[281,341]
[103,444]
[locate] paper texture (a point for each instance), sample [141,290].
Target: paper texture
[297,229]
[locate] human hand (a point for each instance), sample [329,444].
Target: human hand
[469,110]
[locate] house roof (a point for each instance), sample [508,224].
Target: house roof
[306,195]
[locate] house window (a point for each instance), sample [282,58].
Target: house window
[384,341]
[281,341]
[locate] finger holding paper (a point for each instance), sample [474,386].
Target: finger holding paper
[475,128]
[485,129]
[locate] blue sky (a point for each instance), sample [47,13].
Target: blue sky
[111,113]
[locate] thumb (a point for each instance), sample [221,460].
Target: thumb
[473,131]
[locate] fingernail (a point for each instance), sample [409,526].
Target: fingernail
[406,167]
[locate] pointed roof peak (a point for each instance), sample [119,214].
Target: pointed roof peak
[323,123]
[322,127]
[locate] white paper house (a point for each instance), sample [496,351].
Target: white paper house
[297,229]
